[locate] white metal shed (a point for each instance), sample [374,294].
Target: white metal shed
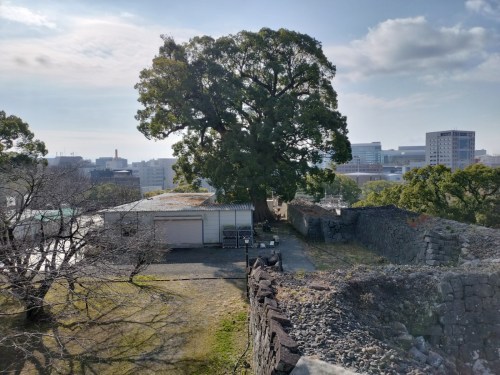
[180,219]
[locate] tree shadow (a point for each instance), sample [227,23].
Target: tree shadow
[131,329]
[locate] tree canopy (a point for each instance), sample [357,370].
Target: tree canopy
[342,186]
[17,142]
[257,111]
[470,195]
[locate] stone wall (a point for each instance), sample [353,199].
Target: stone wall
[274,351]
[401,236]
[398,319]
[468,318]
[307,220]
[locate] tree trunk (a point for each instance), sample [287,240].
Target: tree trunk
[262,212]
[35,311]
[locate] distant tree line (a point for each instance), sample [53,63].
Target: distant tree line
[471,195]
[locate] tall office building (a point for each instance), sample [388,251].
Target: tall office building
[452,148]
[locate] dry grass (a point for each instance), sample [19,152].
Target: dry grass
[182,327]
[328,257]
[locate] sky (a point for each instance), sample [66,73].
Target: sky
[404,67]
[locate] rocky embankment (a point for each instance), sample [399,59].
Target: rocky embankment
[396,319]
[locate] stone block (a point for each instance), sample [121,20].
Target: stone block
[434,359]
[468,290]
[262,293]
[469,279]
[459,330]
[456,284]
[491,351]
[265,284]
[473,338]
[270,302]
[285,360]
[458,307]
[260,274]
[483,290]
[418,355]
[494,279]
[473,303]
[277,316]
[282,337]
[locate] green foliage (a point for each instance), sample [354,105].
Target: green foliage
[341,185]
[470,195]
[376,187]
[188,188]
[17,143]
[256,111]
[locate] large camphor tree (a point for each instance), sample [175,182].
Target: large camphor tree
[257,112]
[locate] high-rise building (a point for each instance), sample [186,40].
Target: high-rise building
[452,148]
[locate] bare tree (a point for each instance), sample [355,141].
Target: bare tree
[51,230]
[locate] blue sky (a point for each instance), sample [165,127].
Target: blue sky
[404,67]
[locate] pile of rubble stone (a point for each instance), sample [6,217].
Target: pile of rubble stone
[356,318]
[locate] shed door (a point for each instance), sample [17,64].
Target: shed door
[184,232]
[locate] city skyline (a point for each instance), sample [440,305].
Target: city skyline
[403,68]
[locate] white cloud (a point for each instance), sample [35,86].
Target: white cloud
[92,144]
[410,46]
[24,16]
[488,8]
[487,71]
[104,51]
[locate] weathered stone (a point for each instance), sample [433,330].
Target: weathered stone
[494,279]
[317,286]
[265,284]
[473,303]
[286,360]
[483,290]
[280,318]
[468,291]
[282,337]
[434,359]
[457,287]
[262,293]
[405,341]
[445,288]
[270,302]
[418,355]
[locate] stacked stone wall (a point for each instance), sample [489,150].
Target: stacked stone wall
[401,236]
[307,220]
[468,318]
[274,351]
[405,238]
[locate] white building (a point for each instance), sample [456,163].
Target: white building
[156,174]
[452,148]
[490,160]
[180,219]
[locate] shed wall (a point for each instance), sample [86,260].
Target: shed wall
[213,221]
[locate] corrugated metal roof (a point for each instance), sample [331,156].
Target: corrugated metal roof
[180,202]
